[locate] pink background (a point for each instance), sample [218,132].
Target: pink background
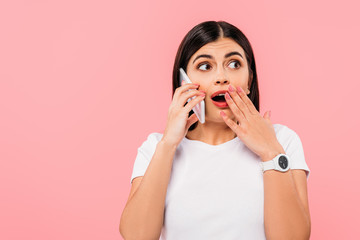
[82,84]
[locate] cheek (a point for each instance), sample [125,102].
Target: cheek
[204,82]
[196,78]
[239,76]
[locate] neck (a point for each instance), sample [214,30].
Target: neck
[213,133]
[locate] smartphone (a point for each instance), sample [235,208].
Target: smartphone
[199,109]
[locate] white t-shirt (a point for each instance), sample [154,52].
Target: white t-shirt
[216,191]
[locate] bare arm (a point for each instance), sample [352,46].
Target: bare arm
[286,211]
[142,217]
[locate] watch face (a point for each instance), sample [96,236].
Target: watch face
[283,162]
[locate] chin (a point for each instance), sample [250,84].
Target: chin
[215,114]
[216,117]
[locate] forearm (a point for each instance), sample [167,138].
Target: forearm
[143,214]
[284,214]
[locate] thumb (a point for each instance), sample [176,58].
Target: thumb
[267,115]
[191,120]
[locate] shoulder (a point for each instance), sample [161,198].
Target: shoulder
[284,132]
[288,138]
[154,137]
[151,140]
[148,146]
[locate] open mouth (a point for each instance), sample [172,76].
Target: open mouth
[219,98]
[219,101]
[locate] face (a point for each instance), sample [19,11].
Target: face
[216,65]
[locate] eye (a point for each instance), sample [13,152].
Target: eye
[236,62]
[203,64]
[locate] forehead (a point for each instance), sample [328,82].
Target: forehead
[219,48]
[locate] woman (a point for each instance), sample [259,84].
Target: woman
[212,180]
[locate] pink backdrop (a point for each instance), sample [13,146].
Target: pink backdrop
[82,84]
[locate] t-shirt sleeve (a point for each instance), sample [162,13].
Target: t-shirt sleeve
[294,149]
[144,155]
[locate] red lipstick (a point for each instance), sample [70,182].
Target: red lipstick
[220,104]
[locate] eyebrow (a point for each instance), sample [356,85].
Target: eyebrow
[226,55]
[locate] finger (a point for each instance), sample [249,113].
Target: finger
[191,120]
[267,115]
[186,95]
[191,104]
[235,109]
[238,101]
[247,101]
[229,121]
[184,88]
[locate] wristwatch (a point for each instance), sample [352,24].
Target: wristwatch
[280,163]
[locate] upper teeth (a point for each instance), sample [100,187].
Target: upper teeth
[221,94]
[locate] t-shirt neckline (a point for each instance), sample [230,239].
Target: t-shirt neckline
[231,143]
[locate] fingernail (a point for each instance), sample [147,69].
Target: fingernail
[231,88]
[239,89]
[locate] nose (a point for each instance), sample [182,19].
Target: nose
[221,77]
[222,81]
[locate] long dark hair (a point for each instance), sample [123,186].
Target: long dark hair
[207,32]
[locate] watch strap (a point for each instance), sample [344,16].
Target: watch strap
[274,163]
[268,165]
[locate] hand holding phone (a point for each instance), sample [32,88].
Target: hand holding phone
[199,108]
